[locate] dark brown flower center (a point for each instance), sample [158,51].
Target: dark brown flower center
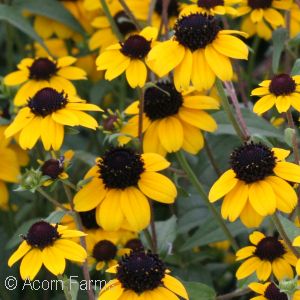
[141,271]
[208,4]
[136,46]
[42,69]
[46,101]
[120,168]
[256,4]
[41,235]
[124,23]
[252,162]
[104,251]
[269,248]
[162,101]
[282,84]
[273,293]
[88,219]
[196,31]
[134,244]
[53,167]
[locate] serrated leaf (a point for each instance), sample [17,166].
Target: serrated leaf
[199,291]
[15,18]
[53,10]
[279,37]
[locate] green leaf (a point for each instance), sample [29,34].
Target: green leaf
[279,37]
[56,216]
[23,229]
[51,9]
[15,18]
[288,136]
[290,228]
[199,291]
[70,287]
[296,68]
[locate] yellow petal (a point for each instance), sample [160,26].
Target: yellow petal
[288,171]
[154,162]
[19,253]
[31,264]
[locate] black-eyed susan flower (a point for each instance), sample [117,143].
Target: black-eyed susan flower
[283,91]
[267,255]
[49,245]
[211,7]
[198,52]
[35,74]
[167,111]
[129,56]
[103,251]
[261,17]
[257,184]
[142,275]
[120,183]
[45,116]
[55,168]
[270,291]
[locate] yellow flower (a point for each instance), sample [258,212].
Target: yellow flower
[120,183]
[283,91]
[142,275]
[261,17]
[257,184]
[128,56]
[296,243]
[49,245]
[269,291]
[295,20]
[104,35]
[12,157]
[267,255]
[35,74]
[211,7]
[198,52]
[55,168]
[45,116]
[167,111]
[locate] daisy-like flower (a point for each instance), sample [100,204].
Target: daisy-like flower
[269,291]
[102,251]
[129,56]
[55,168]
[261,17]
[283,91]
[49,245]
[142,275]
[45,116]
[35,74]
[198,52]
[257,184]
[267,255]
[211,7]
[120,183]
[167,111]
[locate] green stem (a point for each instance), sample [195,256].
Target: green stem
[283,234]
[111,20]
[194,180]
[228,110]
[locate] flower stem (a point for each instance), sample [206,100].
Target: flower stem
[130,14]
[85,268]
[111,20]
[294,137]
[194,180]
[283,234]
[227,109]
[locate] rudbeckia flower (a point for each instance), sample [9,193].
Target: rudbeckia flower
[269,291]
[35,74]
[45,116]
[283,91]
[261,17]
[129,56]
[211,7]
[257,184]
[55,168]
[268,255]
[142,275]
[120,183]
[167,111]
[198,52]
[49,245]
[103,251]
